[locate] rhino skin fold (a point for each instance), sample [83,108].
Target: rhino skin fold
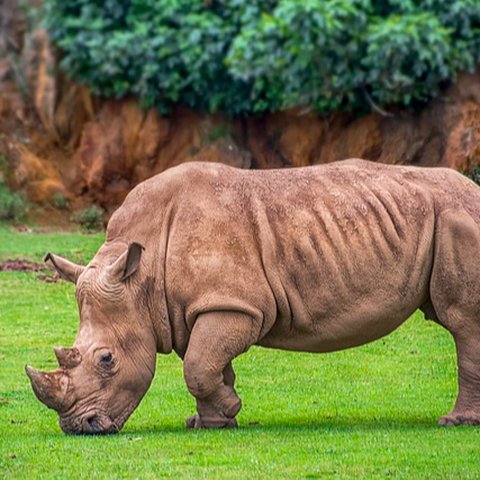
[207,260]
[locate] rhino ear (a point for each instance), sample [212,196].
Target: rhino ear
[127,263]
[67,270]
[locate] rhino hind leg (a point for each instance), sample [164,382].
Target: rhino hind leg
[467,407]
[455,295]
[216,339]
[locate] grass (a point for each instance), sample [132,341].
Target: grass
[370,412]
[33,245]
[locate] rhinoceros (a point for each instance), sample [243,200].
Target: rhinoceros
[208,260]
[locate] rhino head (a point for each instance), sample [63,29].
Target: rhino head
[103,377]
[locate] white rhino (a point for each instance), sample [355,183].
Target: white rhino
[208,260]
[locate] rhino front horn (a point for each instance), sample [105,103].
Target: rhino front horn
[67,357]
[49,388]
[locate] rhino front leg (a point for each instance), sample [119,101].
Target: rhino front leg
[216,339]
[196,422]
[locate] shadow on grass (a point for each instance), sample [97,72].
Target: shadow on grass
[282,428]
[339,425]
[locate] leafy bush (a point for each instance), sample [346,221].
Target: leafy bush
[60,201]
[473,174]
[13,206]
[301,53]
[243,56]
[90,219]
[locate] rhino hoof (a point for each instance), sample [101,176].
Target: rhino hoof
[190,422]
[219,422]
[454,419]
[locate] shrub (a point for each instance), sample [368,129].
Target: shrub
[243,56]
[60,201]
[90,219]
[473,174]
[302,53]
[13,206]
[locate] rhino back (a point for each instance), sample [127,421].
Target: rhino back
[325,257]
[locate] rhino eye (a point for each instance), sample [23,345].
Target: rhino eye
[106,359]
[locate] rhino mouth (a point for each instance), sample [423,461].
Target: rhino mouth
[92,424]
[95,423]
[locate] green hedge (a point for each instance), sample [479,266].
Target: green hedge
[243,56]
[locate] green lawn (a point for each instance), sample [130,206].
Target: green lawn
[369,412]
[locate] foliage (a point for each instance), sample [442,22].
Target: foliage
[368,412]
[340,54]
[473,174]
[13,206]
[409,54]
[60,201]
[218,133]
[302,53]
[91,218]
[164,52]
[243,56]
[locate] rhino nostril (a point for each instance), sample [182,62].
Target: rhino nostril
[92,424]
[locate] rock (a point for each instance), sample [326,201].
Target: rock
[285,139]
[37,177]
[124,145]
[445,133]
[40,71]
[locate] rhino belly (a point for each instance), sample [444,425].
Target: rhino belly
[351,310]
[341,330]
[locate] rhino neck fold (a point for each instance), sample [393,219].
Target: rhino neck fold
[150,228]
[150,300]
[152,285]
[161,317]
[161,325]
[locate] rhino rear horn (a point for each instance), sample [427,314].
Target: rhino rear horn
[50,388]
[68,357]
[67,270]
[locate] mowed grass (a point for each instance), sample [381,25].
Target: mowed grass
[369,412]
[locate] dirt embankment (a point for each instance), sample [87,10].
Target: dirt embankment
[61,143]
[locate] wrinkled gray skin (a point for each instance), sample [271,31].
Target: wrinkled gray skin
[208,260]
